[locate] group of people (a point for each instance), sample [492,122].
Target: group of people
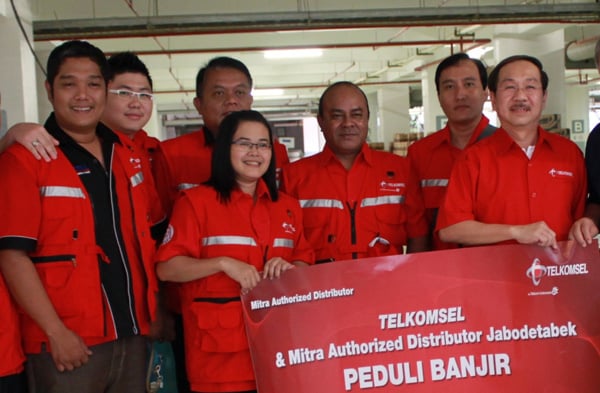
[108,232]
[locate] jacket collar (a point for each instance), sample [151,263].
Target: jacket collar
[365,154]
[105,133]
[504,142]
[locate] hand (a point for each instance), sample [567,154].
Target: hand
[583,230]
[275,266]
[36,139]
[537,233]
[163,327]
[68,350]
[245,274]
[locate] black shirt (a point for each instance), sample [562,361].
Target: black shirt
[100,185]
[592,163]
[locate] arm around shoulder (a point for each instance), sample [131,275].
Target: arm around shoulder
[33,137]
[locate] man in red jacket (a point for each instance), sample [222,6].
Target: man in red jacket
[223,86]
[352,197]
[129,106]
[461,84]
[523,184]
[76,248]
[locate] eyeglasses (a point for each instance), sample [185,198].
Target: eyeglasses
[128,94]
[245,145]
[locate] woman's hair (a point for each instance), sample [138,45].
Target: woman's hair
[222,175]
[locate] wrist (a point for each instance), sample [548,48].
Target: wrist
[222,263]
[513,232]
[55,329]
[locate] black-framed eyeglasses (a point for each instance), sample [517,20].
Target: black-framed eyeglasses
[247,145]
[128,94]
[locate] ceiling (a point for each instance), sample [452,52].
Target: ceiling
[373,43]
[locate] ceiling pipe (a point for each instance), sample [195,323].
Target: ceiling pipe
[342,72]
[314,86]
[427,65]
[481,41]
[115,27]
[587,82]
[582,49]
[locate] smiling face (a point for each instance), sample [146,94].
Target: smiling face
[461,93]
[78,95]
[224,90]
[128,114]
[250,163]
[519,98]
[344,120]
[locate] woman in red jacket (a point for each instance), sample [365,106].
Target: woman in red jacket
[224,237]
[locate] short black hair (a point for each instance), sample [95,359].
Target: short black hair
[222,175]
[341,83]
[74,49]
[493,80]
[453,60]
[123,62]
[220,62]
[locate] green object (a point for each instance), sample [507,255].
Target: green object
[161,376]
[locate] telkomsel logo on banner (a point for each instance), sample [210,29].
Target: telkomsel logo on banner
[537,271]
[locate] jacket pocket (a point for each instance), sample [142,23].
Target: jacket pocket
[56,274]
[320,236]
[220,326]
[391,222]
[59,207]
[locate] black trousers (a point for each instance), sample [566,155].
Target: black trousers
[183,385]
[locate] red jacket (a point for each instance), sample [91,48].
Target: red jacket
[188,161]
[356,213]
[431,161]
[140,148]
[217,354]
[11,352]
[151,148]
[494,182]
[48,204]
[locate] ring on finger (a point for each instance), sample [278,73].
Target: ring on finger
[35,143]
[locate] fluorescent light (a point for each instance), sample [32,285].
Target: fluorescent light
[292,53]
[257,93]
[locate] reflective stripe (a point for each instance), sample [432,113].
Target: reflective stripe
[289,243]
[328,203]
[186,186]
[61,191]
[382,200]
[228,241]
[434,183]
[137,179]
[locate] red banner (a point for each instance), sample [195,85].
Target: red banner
[483,319]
